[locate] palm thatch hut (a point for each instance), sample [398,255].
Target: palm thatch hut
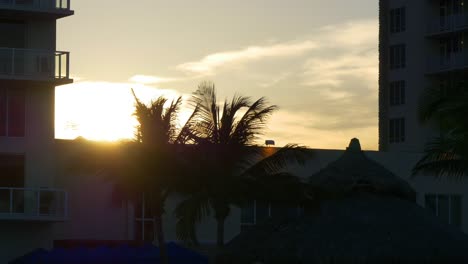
[366,214]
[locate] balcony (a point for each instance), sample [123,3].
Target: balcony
[452,62]
[448,24]
[25,204]
[35,8]
[35,65]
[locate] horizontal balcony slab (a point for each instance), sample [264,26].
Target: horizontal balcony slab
[448,63]
[34,65]
[35,8]
[438,27]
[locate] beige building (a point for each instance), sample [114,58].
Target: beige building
[30,68]
[422,45]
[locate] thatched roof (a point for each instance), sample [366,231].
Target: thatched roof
[363,227]
[366,214]
[354,172]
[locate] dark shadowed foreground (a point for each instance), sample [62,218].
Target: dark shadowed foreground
[360,213]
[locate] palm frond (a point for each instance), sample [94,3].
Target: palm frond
[445,156]
[253,122]
[189,213]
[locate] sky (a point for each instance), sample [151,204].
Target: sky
[316,60]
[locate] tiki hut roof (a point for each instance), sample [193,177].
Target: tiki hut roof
[354,172]
[363,227]
[366,214]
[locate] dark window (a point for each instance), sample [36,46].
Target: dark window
[11,176]
[447,207]
[397,93]
[397,130]
[3,112]
[12,112]
[398,56]
[248,213]
[398,20]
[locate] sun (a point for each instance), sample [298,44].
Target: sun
[101,110]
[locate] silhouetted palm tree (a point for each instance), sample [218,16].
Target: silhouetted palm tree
[446,155]
[231,169]
[161,155]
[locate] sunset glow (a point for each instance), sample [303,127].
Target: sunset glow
[100,110]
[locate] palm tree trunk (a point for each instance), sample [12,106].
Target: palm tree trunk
[220,232]
[158,228]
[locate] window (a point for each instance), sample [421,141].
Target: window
[446,207]
[11,176]
[397,93]
[144,220]
[12,112]
[256,212]
[397,130]
[397,56]
[398,20]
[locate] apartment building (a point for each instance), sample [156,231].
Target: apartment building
[30,69]
[422,45]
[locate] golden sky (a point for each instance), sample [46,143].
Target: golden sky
[316,60]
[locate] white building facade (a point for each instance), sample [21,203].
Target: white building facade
[422,45]
[30,68]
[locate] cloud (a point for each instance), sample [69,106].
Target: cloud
[351,34]
[333,70]
[210,63]
[147,79]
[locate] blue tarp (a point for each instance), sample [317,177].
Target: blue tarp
[119,255]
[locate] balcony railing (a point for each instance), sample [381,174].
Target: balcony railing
[33,204]
[37,5]
[34,64]
[452,62]
[448,24]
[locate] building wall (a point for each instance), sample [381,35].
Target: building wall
[420,50]
[41,34]
[94,213]
[38,143]
[20,237]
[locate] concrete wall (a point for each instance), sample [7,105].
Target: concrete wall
[93,212]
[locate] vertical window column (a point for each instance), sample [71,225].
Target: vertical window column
[397,93]
[397,130]
[397,56]
[398,20]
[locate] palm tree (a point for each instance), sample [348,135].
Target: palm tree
[230,166]
[446,155]
[153,164]
[162,146]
